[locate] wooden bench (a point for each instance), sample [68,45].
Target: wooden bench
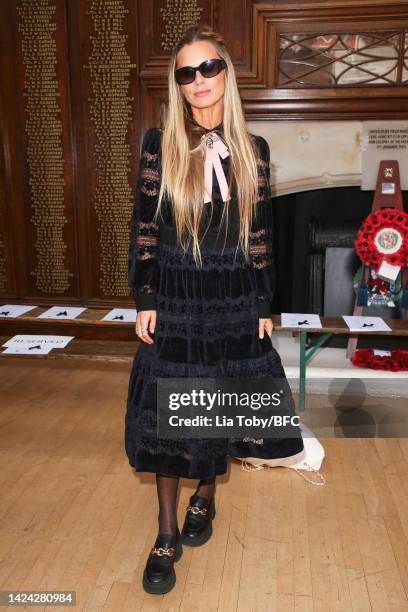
[330,326]
[94,339]
[117,341]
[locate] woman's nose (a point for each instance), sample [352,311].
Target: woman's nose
[199,78]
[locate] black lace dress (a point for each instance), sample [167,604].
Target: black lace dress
[207,318]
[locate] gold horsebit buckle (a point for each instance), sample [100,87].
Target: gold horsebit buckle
[162,551]
[197,510]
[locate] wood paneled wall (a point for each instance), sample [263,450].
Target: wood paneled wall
[81,80]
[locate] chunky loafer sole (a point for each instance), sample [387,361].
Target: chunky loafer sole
[164,586]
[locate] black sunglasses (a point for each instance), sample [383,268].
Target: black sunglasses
[209,68]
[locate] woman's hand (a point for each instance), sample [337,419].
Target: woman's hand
[265,325]
[146,320]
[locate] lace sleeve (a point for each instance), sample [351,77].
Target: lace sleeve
[142,268]
[260,239]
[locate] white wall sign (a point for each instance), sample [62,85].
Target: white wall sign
[383,140]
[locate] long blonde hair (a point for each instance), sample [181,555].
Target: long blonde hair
[182,160]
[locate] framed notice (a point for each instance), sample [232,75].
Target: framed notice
[383,140]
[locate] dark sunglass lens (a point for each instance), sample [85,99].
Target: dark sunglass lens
[185,75]
[210,68]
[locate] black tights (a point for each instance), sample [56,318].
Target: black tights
[167,489]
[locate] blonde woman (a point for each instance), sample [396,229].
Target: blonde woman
[202,275]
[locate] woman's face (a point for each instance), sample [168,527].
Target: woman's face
[202,92]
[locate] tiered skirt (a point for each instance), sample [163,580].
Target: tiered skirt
[207,327]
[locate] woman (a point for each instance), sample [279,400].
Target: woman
[202,274]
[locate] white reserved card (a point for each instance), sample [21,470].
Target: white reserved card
[32,344]
[356,323]
[121,315]
[14,310]
[27,349]
[296,319]
[61,312]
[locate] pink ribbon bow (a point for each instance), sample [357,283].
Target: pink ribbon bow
[214,149]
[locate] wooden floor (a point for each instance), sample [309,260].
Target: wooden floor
[74,514]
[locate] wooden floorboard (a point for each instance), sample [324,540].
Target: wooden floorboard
[74,514]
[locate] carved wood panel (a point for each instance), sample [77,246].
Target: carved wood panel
[81,80]
[262,35]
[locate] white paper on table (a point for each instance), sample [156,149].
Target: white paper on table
[364,323]
[61,312]
[303,320]
[121,315]
[27,349]
[42,339]
[14,310]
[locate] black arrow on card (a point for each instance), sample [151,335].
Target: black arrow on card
[4,312]
[303,322]
[367,325]
[118,317]
[64,312]
[30,348]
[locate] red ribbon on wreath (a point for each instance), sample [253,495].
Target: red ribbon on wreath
[365,358]
[383,237]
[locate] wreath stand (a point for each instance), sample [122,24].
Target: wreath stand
[383,198]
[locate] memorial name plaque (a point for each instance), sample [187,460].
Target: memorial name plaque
[383,140]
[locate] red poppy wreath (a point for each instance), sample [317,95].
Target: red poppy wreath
[382,240]
[394,361]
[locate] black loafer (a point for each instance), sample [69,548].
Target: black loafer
[197,528]
[159,576]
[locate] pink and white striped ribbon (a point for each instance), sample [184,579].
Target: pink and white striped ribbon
[214,148]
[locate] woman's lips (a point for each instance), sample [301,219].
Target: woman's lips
[204,92]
